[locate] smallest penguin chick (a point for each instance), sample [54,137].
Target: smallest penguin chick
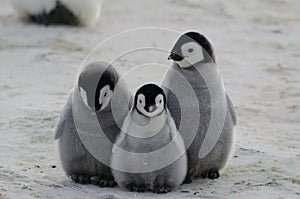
[149,154]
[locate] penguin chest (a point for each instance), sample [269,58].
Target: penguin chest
[146,143]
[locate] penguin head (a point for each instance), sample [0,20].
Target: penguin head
[150,100]
[105,88]
[191,48]
[96,84]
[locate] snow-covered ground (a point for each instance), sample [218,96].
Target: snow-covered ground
[258,51]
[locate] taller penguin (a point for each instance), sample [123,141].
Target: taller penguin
[198,102]
[59,12]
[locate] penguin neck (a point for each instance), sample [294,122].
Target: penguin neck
[105,115]
[145,126]
[142,120]
[107,108]
[201,74]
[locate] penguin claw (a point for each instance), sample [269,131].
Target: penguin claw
[134,188]
[161,190]
[187,181]
[101,182]
[80,179]
[211,174]
[107,183]
[139,189]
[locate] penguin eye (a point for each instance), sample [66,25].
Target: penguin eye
[105,94]
[140,101]
[160,101]
[190,50]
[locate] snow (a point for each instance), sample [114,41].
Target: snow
[257,48]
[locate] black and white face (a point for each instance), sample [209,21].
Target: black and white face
[105,97]
[190,49]
[105,89]
[96,84]
[192,53]
[150,100]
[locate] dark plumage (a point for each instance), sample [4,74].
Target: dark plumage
[59,15]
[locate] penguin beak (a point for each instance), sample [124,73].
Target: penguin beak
[152,108]
[175,57]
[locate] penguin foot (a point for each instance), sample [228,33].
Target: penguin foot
[80,179]
[135,188]
[187,181]
[101,182]
[161,189]
[211,174]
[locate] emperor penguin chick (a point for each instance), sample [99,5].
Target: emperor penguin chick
[149,153]
[210,148]
[89,105]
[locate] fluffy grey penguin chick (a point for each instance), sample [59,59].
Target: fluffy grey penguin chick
[56,12]
[94,93]
[192,54]
[148,128]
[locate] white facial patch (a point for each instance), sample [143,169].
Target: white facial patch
[159,101]
[140,103]
[105,96]
[83,96]
[192,53]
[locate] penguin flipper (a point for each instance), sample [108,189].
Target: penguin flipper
[65,115]
[231,108]
[118,142]
[175,135]
[173,106]
[122,134]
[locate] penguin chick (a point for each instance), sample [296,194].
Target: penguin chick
[59,12]
[93,93]
[140,160]
[194,60]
